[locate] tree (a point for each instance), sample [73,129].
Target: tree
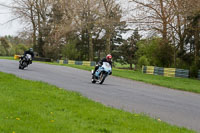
[19,49]
[177,22]
[85,14]
[112,20]
[154,15]
[157,54]
[129,49]
[25,10]
[54,24]
[4,43]
[71,52]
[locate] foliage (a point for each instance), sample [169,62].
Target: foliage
[164,55]
[95,24]
[4,45]
[143,61]
[194,70]
[171,28]
[148,48]
[70,51]
[10,45]
[157,53]
[2,51]
[129,48]
[20,48]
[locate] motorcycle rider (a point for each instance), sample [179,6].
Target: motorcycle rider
[100,63]
[30,51]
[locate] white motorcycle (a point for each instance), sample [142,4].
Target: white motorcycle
[101,74]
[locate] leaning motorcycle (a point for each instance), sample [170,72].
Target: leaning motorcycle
[25,61]
[101,74]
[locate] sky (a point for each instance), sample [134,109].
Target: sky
[12,28]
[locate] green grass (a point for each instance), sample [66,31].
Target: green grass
[7,57]
[36,107]
[118,65]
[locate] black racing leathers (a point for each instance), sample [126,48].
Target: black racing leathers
[29,52]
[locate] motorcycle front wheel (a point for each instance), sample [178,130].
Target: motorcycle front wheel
[93,79]
[102,78]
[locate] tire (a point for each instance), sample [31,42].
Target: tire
[22,67]
[102,78]
[24,64]
[93,80]
[20,64]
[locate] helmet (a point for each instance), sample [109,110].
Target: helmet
[31,49]
[109,57]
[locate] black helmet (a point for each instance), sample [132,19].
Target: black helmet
[31,49]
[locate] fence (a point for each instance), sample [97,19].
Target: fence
[85,63]
[168,72]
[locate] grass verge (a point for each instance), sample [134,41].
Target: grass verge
[123,66]
[7,57]
[35,107]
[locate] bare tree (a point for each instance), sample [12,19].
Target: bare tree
[52,21]
[112,18]
[24,9]
[154,15]
[85,15]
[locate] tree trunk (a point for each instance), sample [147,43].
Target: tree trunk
[34,28]
[40,40]
[196,41]
[108,43]
[164,22]
[91,49]
[131,66]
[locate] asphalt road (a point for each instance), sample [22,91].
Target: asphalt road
[175,107]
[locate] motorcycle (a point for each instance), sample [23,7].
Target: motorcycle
[25,61]
[101,74]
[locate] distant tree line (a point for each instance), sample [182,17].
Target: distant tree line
[10,45]
[78,29]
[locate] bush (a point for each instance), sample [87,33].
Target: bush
[70,52]
[157,52]
[181,64]
[194,71]
[20,48]
[143,61]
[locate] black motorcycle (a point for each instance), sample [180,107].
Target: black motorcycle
[25,61]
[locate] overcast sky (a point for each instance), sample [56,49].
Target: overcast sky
[12,28]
